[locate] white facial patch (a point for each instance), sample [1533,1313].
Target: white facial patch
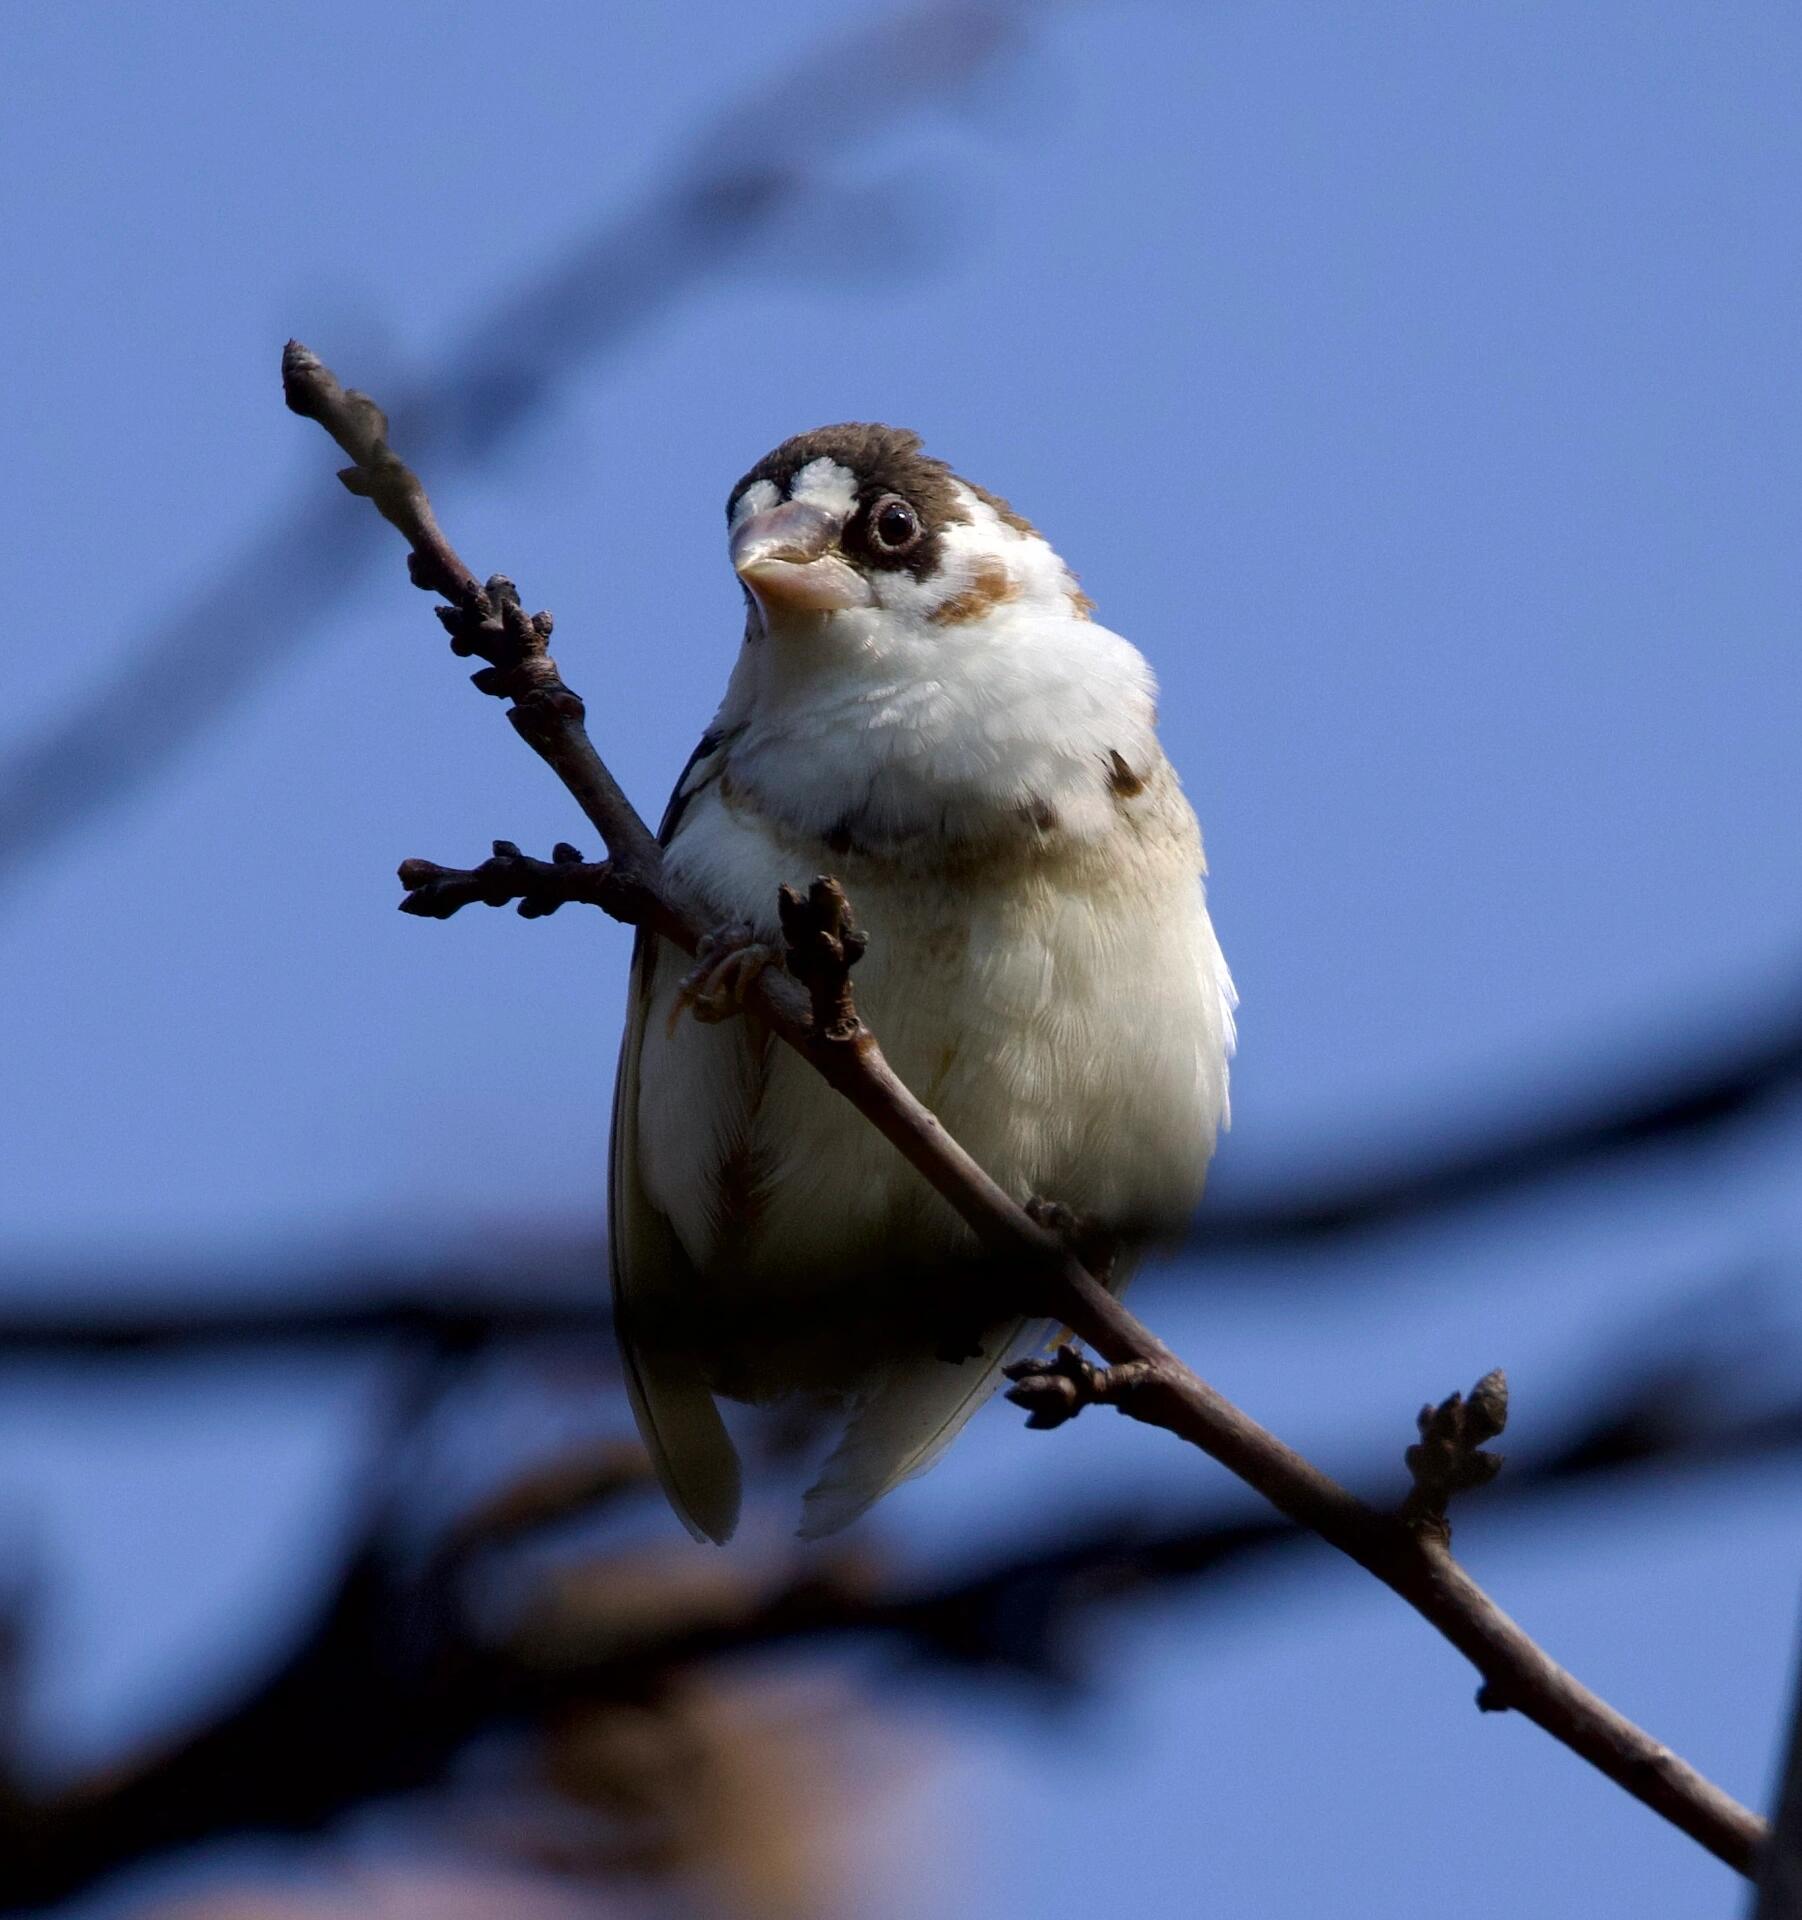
[756,498]
[974,548]
[825,484]
[986,524]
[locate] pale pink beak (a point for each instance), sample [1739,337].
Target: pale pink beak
[787,556]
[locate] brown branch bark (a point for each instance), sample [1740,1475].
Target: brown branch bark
[539,886]
[1410,1556]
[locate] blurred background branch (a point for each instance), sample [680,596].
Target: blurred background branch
[416,1650]
[612,282]
[533,1283]
[1668,1089]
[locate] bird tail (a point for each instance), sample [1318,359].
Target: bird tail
[902,1425]
[696,1462]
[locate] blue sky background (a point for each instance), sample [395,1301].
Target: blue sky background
[1416,386]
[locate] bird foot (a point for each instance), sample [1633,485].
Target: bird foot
[728,964]
[1087,1239]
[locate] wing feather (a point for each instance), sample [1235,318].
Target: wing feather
[695,1460]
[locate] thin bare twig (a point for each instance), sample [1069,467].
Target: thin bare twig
[539,886]
[1413,1559]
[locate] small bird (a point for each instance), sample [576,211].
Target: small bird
[924,707]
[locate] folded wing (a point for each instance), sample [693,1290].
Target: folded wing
[680,1423]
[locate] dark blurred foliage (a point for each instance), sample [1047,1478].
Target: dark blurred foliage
[645,1738]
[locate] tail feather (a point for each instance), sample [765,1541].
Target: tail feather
[902,1426]
[696,1462]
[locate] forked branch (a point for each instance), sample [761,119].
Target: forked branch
[811,1007]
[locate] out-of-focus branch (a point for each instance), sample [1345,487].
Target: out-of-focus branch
[521,1290]
[811,1009]
[1694,1093]
[394,1674]
[467,1313]
[614,279]
[393,1677]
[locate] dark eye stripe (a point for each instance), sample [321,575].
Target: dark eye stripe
[888,462]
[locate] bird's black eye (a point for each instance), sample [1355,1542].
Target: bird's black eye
[894,526]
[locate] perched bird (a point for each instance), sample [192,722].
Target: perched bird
[924,707]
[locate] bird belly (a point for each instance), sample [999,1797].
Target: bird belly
[1055,1008]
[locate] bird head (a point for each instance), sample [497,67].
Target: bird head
[920,667]
[852,531]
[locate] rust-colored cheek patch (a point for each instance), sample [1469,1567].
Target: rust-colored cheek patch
[992,586]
